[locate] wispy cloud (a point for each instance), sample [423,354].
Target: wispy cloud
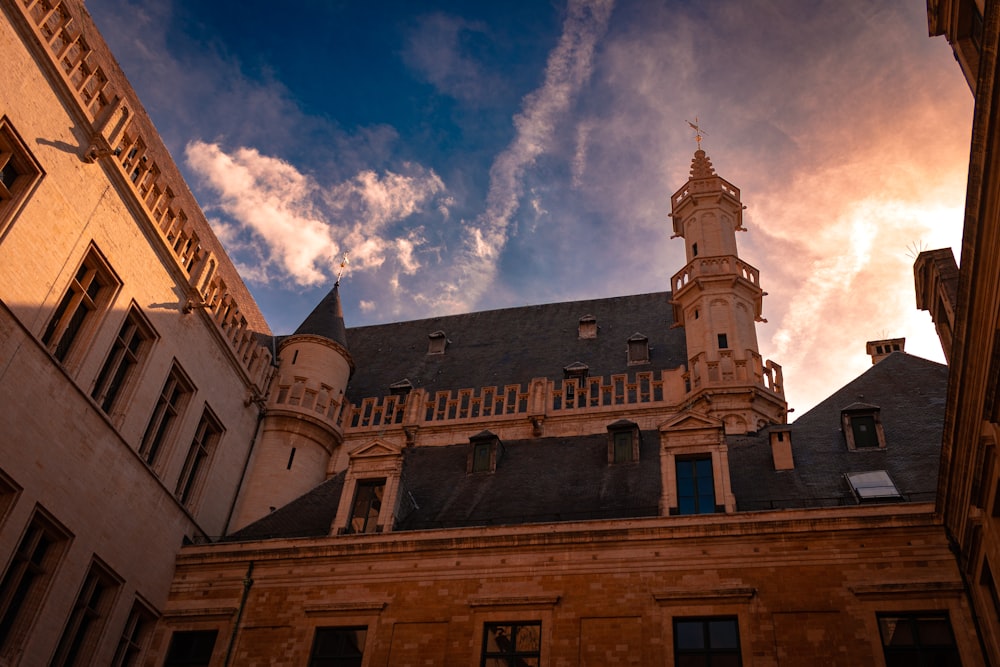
[569,66]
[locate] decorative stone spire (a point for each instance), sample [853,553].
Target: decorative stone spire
[701,166]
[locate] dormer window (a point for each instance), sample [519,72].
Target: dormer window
[587,327]
[487,450]
[401,388]
[862,426]
[623,442]
[576,371]
[638,349]
[436,342]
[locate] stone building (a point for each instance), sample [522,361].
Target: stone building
[600,482]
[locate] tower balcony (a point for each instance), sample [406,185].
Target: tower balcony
[730,371]
[714,267]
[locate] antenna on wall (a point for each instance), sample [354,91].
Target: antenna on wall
[914,248]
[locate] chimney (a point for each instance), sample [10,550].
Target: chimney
[880,349]
[781,449]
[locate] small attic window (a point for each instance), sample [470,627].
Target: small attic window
[436,342]
[862,426]
[587,327]
[623,442]
[401,388]
[487,450]
[576,371]
[874,486]
[638,349]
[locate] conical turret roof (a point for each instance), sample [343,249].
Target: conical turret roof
[326,319]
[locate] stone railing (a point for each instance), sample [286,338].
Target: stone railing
[541,398]
[725,265]
[117,136]
[313,398]
[730,370]
[705,185]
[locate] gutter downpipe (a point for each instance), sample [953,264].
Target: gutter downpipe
[247,583]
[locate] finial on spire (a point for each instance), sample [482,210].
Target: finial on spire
[699,133]
[343,265]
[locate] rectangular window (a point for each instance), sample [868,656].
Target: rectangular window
[19,172]
[863,428]
[86,620]
[695,486]
[89,292]
[707,642]
[918,639]
[130,346]
[23,585]
[338,647]
[367,504]
[191,648]
[512,644]
[481,457]
[623,446]
[134,636]
[169,406]
[723,342]
[206,437]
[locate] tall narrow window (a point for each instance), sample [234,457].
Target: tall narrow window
[131,344]
[511,644]
[19,172]
[338,647]
[723,341]
[24,583]
[206,438]
[367,505]
[695,486]
[86,620]
[88,292]
[169,406]
[707,642]
[918,640]
[134,635]
[191,648]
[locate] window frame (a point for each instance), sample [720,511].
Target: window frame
[623,437]
[199,458]
[25,581]
[706,650]
[513,653]
[166,415]
[134,636]
[694,460]
[188,661]
[850,422]
[854,477]
[88,616]
[68,331]
[917,649]
[370,523]
[14,152]
[123,363]
[320,660]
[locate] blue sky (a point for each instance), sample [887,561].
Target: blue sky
[473,155]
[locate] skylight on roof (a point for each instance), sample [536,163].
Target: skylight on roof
[874,485]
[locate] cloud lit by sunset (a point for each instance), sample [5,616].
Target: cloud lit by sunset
[470,156]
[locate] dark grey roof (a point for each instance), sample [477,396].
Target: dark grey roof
[327,319]
[309,515]
[536,481]
[910,393]
[514,345]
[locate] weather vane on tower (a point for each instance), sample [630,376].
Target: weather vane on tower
[699,133]
[343,265]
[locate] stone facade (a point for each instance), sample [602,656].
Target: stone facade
[198,489]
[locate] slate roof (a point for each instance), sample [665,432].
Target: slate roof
[326,319]
[910,392]
[514,345]
[537,480]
